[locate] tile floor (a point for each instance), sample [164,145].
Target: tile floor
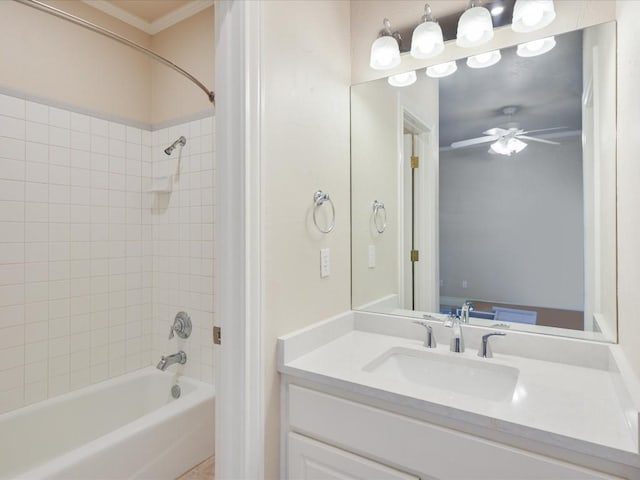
[202,471]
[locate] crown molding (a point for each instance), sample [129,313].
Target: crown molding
[151,28]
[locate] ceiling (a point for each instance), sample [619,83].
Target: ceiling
[150,16]
[149,10]
[546,89]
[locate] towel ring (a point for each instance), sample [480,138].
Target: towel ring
[319,198]
[379,212]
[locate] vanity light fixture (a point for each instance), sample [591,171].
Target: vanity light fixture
[385,51]
[442,69]
[427,40]
[507,146]
[532,15]
[484,60]
[403,79]
[536,47]
[475,26]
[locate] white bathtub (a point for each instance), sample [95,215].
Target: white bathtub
[126,427]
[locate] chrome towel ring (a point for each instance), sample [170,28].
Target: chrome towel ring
[379,216]
[319,198]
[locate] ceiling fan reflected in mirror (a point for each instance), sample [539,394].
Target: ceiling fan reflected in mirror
[507,141]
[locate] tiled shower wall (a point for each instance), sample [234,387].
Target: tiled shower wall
[77,252]
[183,243]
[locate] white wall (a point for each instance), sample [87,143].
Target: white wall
[512,227]
[628,175]
[305,135]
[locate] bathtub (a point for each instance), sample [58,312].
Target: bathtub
[126,427]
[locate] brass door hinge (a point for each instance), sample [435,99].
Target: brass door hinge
[415,162]
[217,335]
[415,255]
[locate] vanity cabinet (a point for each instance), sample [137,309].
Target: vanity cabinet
[329,437]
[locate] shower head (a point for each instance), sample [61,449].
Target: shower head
[181,141]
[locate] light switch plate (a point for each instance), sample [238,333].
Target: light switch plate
[325,263]
[372,256]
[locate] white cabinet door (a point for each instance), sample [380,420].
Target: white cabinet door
[311,460]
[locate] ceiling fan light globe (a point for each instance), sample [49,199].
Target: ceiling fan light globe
[427,40]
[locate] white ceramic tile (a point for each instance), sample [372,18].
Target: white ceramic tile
[37,112]
[59,118]
[12,169]
[12,149]
[12,211]
[12,127]
[11,274]
[99,127]
[59,175]
[80,160]
[35,392]
[80,122]
[60,137]
[36,172]
[35,252]
[37,132]
[80,141]
[12,106]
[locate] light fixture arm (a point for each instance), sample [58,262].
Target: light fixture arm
[387,32]
[428,15]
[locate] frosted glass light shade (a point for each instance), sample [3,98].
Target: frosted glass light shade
[475,27]
[442,70]
[427,40]
[532,15]
[536,47]
[507,147]
[484,60]
[403,79]
[385,53]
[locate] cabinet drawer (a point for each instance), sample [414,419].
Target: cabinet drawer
[312,460]
[417,446]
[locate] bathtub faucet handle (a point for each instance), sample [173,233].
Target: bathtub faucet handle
[181,325]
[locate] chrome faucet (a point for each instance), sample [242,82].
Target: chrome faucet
[485,349]
[464,312]
[169,360]
[457,340]
[429,339]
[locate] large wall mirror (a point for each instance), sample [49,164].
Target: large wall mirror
[492,185]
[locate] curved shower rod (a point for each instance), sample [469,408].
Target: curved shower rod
[118,38]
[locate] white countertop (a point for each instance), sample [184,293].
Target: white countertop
[571,406]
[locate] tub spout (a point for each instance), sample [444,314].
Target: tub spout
[169,360]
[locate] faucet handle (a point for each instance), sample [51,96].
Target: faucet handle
[429,339]
[485,348]
[181,325]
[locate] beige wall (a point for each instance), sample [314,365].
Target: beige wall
[375,166]
[628,174]
[190,45]
[305,131]
[59,61]
[67,64]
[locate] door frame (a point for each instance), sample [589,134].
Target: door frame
[239,376]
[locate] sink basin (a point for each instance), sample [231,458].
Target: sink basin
[453,373]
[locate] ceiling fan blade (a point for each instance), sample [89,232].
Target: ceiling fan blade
[474,141]
[500,132]
[535,139]
[543,130]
